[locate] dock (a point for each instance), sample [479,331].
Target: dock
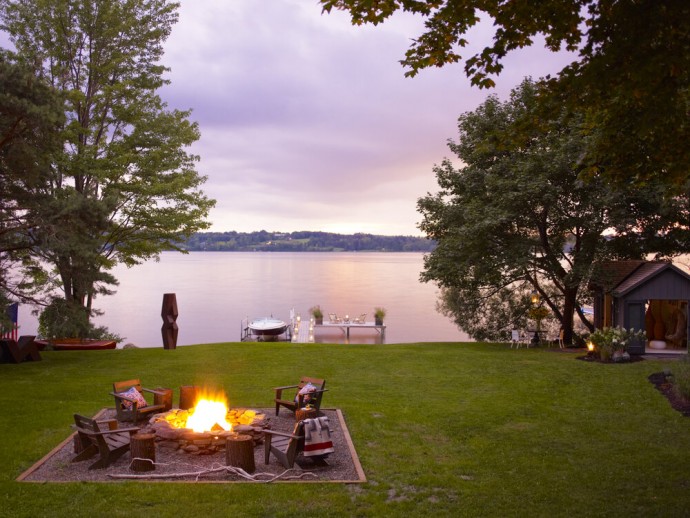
[346,326]
[303,332]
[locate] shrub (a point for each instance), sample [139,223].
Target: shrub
[62,319]
[681,377]
[610,339]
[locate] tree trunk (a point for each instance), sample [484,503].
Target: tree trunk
[570,295]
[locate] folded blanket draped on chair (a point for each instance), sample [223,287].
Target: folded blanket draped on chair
[317,437]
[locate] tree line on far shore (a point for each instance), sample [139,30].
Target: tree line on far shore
[304,241]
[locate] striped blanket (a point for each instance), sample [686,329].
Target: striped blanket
[317,437]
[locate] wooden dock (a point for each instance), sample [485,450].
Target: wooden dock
[302,334]
[346,326]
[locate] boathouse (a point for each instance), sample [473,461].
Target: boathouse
[645,295]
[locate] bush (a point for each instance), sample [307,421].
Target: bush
[62,319]
[610,339]
[681,377]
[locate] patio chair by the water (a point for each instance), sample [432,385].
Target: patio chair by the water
[110,444]
[300,400]
[132,405]
[517,339]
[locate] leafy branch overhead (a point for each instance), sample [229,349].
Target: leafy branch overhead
[630,68]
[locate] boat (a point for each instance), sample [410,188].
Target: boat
[267,326]
[76,344]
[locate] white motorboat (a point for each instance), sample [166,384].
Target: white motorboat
[267,326]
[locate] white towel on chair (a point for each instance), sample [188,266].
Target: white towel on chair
[317,437]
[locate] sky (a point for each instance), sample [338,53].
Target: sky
[308,122]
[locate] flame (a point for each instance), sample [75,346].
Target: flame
[209,412]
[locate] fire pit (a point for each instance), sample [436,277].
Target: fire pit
[205,428]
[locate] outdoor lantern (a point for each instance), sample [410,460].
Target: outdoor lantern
[534,297]
[590,346]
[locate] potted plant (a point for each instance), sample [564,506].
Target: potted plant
[612,342]
[379,315]
[317,314]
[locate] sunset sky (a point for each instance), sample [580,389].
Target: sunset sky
[308,123]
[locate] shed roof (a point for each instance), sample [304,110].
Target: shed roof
[609,274]
[644,273]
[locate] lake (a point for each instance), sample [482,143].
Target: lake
[216,290]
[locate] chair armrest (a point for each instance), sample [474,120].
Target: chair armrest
[107,432]
[112,423]
[286,387]
[120,430]
[152,391]
[282,434]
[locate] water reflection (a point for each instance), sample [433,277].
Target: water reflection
[216,290]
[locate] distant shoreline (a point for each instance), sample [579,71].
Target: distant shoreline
[303,241]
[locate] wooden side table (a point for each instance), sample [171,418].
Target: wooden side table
[305,413]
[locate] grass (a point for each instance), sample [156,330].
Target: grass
[440,429]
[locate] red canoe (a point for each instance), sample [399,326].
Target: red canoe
[76,344]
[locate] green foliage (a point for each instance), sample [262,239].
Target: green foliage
[30,116]
[316,312]
[64,319]
[681,377]
[488,318]
[631,74]
[607,340]
[304,241]
[124,186]
[564,432]
[517,217]
[379,313]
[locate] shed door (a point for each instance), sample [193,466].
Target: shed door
[634,319]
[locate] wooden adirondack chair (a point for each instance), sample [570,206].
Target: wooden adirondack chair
[109,444]
[127,408]
[22,349]
[299,400]
[284,446]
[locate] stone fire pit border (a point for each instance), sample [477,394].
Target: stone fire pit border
[355,473]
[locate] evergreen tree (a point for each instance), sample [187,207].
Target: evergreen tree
[125,187]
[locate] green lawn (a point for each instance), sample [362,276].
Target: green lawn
[440,429]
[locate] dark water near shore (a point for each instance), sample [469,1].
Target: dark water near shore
[216,290]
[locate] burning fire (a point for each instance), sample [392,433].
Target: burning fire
[210,412]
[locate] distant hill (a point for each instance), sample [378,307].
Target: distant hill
[304,241]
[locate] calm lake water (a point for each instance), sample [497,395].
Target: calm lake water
[216,290]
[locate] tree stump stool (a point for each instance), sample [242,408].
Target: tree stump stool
[305,413]
[143,449]
[239,452]
[187,396]
[163,397]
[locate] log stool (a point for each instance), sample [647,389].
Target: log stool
[143,449]
[239,452]
[163,396]
[187,396]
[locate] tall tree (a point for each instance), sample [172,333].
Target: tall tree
[517,218]
[30,118]
[125,186]
[632,72]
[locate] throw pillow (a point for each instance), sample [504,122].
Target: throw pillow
[134,394]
